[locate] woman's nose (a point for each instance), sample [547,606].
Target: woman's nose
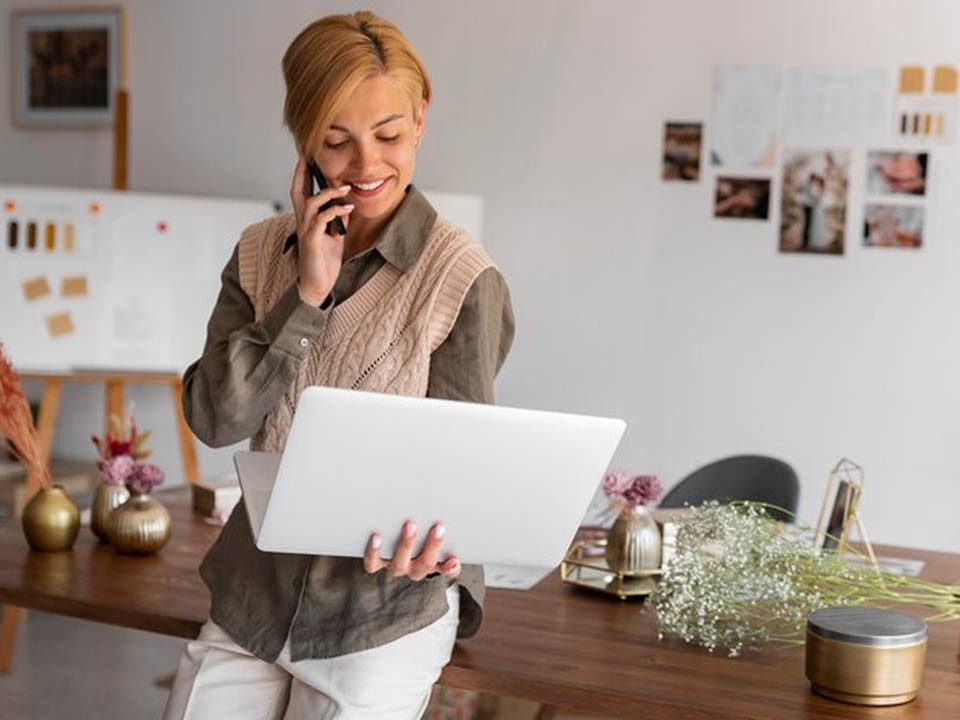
[364,156]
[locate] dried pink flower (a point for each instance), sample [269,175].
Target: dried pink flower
[633,489]
[116,470]
[144,478]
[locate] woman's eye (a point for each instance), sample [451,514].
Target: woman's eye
[389,139]
[334,145]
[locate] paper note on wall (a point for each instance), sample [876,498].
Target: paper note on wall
[35,288]
[746,105]
[59,324]
[138,325]
[836,106]
[73,286]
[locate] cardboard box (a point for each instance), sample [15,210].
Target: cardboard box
[219,494]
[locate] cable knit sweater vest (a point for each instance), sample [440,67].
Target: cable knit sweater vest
[381,337]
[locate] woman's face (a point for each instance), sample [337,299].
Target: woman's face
[370,145]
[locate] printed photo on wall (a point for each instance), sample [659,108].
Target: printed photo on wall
[893,226]
[814,206]
[896,173]
[745,198]
[681,151]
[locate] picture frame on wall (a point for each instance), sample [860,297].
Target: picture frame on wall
[67,66]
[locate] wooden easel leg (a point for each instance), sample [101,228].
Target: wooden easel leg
[9,624]
[187,448]
[114,401]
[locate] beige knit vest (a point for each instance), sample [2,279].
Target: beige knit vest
[381,337]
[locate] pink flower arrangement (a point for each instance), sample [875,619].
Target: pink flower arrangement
[632,489]
[122,454]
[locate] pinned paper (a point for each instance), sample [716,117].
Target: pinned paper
[35,288]
[73,286]
[911,79]
[945,79]
[59,324]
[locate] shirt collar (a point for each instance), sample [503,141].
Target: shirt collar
[402,239]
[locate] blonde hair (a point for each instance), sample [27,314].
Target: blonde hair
[328,60]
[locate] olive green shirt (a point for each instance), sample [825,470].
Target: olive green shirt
[329,606]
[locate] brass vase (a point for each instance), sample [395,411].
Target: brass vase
[51,520]
[140,526]
[105,500]
[633,542]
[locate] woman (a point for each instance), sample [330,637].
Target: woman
[404,302]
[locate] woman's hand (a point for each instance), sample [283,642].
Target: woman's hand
[403,564]
[320,255]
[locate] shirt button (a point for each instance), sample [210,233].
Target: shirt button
[304,342]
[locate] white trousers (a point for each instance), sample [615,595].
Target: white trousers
[219,679]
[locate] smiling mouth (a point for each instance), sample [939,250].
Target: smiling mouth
[367,189]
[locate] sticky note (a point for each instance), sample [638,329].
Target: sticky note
[911,79]
[35,288]
[59,324]
[945,79]
[73,286]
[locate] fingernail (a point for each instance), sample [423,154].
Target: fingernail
[375,542]
[347,207]
[439,530]
[343,188]
[409,529]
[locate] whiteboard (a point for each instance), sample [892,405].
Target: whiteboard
[101,280]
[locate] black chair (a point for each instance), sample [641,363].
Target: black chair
[740,477]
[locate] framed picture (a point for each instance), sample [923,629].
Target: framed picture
[845,506]
[67,66]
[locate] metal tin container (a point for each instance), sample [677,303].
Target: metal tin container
[866,656]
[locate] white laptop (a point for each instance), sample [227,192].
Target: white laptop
[510,485]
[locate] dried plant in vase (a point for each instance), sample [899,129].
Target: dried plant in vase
[124,514]
[50,519]
[121,459]
[633,541]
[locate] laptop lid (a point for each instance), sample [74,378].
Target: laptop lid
[511,485]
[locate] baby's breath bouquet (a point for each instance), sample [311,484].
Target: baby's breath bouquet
[738,579]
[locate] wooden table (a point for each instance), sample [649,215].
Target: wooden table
[552,644]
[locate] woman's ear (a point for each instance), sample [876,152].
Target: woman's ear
[420,112]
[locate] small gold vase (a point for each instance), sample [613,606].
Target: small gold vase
[105,500]
[51,520]
[140,526]
[633,542]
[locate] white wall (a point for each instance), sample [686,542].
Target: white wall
[629,300]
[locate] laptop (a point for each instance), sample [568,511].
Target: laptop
[511,485]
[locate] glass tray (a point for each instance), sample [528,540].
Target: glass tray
[585,566]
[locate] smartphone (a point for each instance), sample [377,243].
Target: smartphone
[335,226]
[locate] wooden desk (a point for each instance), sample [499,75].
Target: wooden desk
[552,644]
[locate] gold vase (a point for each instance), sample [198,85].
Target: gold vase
[105,500]
[633,542]
[51,520]
[140,526]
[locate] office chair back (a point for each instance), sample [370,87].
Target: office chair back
[741,477]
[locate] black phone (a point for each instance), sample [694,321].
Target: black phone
[321,182]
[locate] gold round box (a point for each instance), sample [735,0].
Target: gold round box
[865,655]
